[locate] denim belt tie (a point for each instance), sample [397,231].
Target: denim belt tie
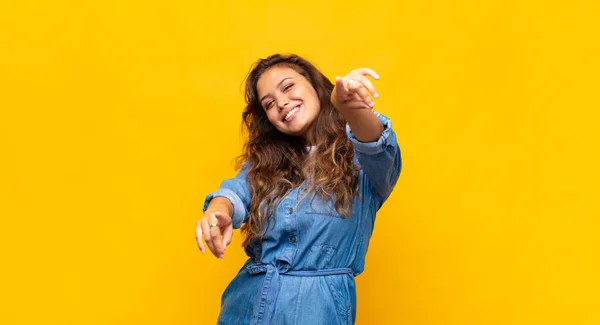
[264,304]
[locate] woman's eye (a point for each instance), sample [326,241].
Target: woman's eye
[288,87]
[268,105]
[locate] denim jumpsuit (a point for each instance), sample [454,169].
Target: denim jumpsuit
[303,271]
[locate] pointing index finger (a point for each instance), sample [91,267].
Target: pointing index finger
[370,72]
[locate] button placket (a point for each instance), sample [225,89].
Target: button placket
[293,217]
[287,218]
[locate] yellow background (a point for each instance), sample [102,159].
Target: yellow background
[117,117]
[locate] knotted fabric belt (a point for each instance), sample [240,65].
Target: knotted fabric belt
[264,303]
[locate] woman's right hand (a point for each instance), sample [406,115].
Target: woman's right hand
[216,229]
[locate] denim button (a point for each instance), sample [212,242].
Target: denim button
[290,210]
[293,239]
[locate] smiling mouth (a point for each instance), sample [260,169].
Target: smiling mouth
[292,113]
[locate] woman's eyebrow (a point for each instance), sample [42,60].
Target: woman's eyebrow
[279,84]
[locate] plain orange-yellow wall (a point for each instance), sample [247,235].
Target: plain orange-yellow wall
[118,117]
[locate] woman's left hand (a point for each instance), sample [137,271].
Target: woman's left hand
[354,90]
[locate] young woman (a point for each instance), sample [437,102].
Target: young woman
[316,167]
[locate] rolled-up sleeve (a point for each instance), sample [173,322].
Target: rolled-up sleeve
[237,191]
[380,160]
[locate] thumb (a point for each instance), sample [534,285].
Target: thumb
[223,220]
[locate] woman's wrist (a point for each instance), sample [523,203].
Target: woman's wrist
[222,204]
[364,124]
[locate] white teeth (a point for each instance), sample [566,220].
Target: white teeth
[292,112]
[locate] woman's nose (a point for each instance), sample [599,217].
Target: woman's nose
[283,104]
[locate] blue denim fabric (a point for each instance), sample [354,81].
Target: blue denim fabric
[303,271]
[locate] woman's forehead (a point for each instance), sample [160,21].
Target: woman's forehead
[271,78]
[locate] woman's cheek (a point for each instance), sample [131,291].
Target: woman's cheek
[297,92]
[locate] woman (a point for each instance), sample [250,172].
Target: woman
[317,166]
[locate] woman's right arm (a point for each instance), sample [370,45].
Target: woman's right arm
[227,208]
[237,191]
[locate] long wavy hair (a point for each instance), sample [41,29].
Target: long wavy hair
[277,162]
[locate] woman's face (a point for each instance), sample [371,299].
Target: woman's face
[290,101]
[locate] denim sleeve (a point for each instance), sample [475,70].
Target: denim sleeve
[238,192]
[380,160]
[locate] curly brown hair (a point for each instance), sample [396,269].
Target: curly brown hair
[278,162]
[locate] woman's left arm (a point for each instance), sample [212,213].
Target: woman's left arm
[371,133]
[351,96]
